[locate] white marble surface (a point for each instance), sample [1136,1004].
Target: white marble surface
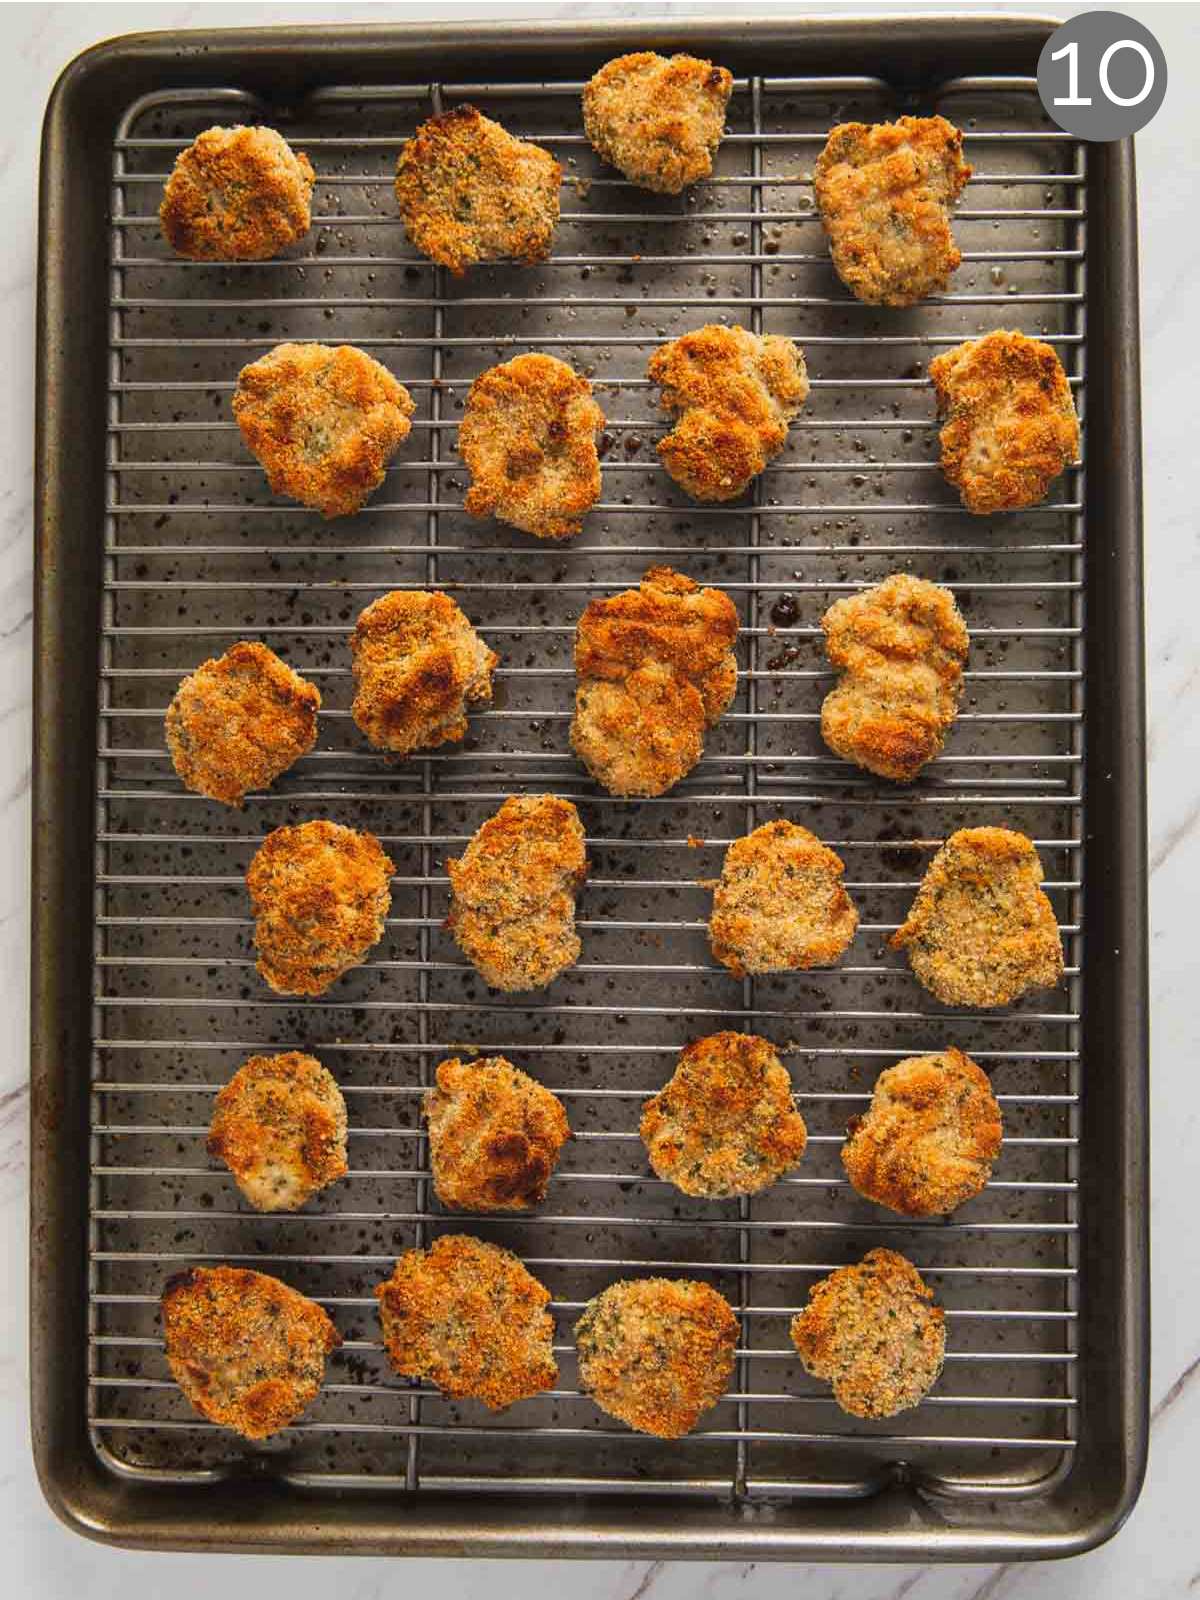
[1157,1555]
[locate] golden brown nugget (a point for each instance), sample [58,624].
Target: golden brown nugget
[874,1331]
[323,421]
[981,932]
[1010,424]
[657,1353]
[494,1135]
[655,669]
[248,1351]
[734,393]
[320,894]
[528,436]
[419,666]
[469,1317]
[280,1127]
[929,1139]
[468,191]
[885,193]
[239,722]
[726,1122]
[779,905]
[237,194]
[657,119]
[512,906]
[900,648]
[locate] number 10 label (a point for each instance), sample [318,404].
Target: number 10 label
[1102,75]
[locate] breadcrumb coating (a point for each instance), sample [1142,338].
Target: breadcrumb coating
[279,1125]
[1010,424]
[657,119]
[237,194]
[323,421]
[779,905]
[239,721]
[981,932]
[494,1135]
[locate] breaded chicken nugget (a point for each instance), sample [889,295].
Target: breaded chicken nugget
[734,393]
[874,1332]
[780,905]
[468,191]
[726,1122]
[323,421]
[494,1135]
[469,1317]
[239,721]
[901,647]
[528,436]
[237,194]
[655,669]
[884,194]
[247,1351]
[657,1353]
[981,932]
[1010,422]
[280,1127]
[930,1137]
[512,905]
[657,119]
[320,893]
[418,667]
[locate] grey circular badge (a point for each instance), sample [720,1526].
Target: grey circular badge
[1102,75]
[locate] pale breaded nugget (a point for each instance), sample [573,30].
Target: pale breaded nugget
[512,905]
[901,647]
[657,1353]
[874,1331]
[323,421]
[419,666]
[734,393]
[247,1351]
[468,191]
[280,1127]
[320,894]
[655,669]
[528,436]
[929,1139]
[239,721]
[237,194]
[472,1319]
[726,1122]
[657,119]
[884,193]
[1010,423]
[780,905]
[981,932]
[494,1135]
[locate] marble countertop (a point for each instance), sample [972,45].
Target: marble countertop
[1157,1554]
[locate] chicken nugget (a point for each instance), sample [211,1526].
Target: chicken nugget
[494,1135]
[239,721]
[512,904]
[875,1332]
[657,1353]
[323,422]
[237,194]
[780,905]
[929,1139]
[655,669]
[657,119]
[419,666]
[734,393]
[884,194]
[468,191]
[320,894]
[247,1351]
[900,647]
[1010,423]
[280,1127]
[528,436]
[472,1319]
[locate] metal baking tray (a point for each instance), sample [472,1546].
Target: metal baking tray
[158,544]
